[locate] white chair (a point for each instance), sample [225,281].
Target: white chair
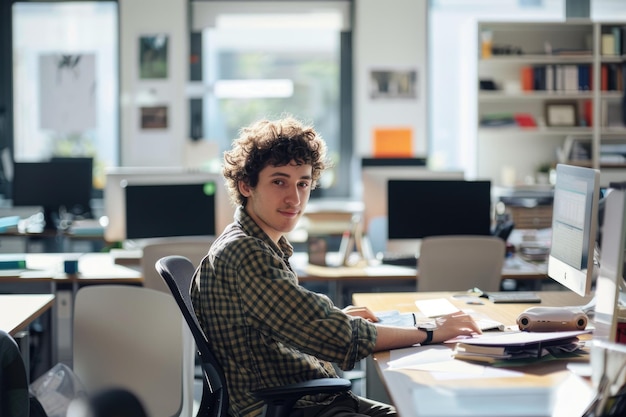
[132,338]
[192,249]
[458,263]
[377,234]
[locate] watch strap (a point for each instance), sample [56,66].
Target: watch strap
[429,336]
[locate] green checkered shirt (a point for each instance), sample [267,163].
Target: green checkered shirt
[265,329]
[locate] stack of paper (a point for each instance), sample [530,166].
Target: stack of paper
[517,345]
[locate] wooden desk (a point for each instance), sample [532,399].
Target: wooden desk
[17,311]
[92,268]
[45,273]
[400,382]
[392,276]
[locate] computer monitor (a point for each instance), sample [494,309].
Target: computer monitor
[168,210]
[149,202]
[374,178]
[60,184]
[422,208]
[574,227]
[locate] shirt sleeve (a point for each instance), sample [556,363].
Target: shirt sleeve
[283,310]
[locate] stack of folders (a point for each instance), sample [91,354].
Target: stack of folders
[511,346]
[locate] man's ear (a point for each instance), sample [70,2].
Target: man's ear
[244,188]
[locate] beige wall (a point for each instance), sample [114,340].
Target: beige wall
[389,34]
[150,17]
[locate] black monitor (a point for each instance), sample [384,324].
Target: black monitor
[167,210]
[61,184]
[422,208]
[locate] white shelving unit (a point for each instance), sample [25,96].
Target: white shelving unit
[567,65]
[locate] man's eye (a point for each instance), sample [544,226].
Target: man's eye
[304,184]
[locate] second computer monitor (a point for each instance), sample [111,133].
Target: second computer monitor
[168,210]
[422,208]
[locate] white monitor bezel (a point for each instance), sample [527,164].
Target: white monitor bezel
[578,280]
[118,177]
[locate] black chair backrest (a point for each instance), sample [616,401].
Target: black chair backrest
[178,273]
[13,378]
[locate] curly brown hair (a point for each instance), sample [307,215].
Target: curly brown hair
[275,143]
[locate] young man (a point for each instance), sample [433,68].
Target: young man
[265,329]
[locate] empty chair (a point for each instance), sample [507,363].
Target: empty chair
[458,263]
[178,272]
[131,338]
[193,249]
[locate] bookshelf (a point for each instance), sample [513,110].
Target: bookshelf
[546,89]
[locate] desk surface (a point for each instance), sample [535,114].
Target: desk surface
[402,383]
[17,311]
[92,267]
[514,268]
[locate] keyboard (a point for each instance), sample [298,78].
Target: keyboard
[513,297]
[398,258]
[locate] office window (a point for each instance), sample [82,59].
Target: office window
[65,82]
[270,63]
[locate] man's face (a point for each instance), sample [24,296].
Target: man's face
[280,197]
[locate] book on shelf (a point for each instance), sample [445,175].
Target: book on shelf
[607,44]
[557,77]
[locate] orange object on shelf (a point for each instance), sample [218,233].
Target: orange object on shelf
[393,143]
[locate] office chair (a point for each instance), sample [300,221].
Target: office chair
[178,273]
[131,337]
[14,397]
[191,248]
[458,263]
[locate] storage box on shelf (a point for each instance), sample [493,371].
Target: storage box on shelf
[546,83]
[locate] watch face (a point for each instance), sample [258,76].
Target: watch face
[427,325]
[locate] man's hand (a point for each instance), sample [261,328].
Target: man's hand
[362,312]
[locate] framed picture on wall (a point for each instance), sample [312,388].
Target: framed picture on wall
[153,57]
[154,117]
[561,113]
[393,83]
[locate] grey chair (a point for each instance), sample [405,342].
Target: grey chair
[178,272]
[131,337]
[192,248]
[458,263]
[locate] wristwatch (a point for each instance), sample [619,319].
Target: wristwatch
[429,328]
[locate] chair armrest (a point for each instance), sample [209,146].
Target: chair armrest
[314,386]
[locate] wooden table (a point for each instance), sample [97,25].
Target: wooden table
[378,276]
[17,312]
[401,384]
[92,268]
[45,273]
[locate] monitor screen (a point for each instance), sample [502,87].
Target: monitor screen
[574,227]
[166,210]
[422,208]
[374,179]
[64,183]
[186,187]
